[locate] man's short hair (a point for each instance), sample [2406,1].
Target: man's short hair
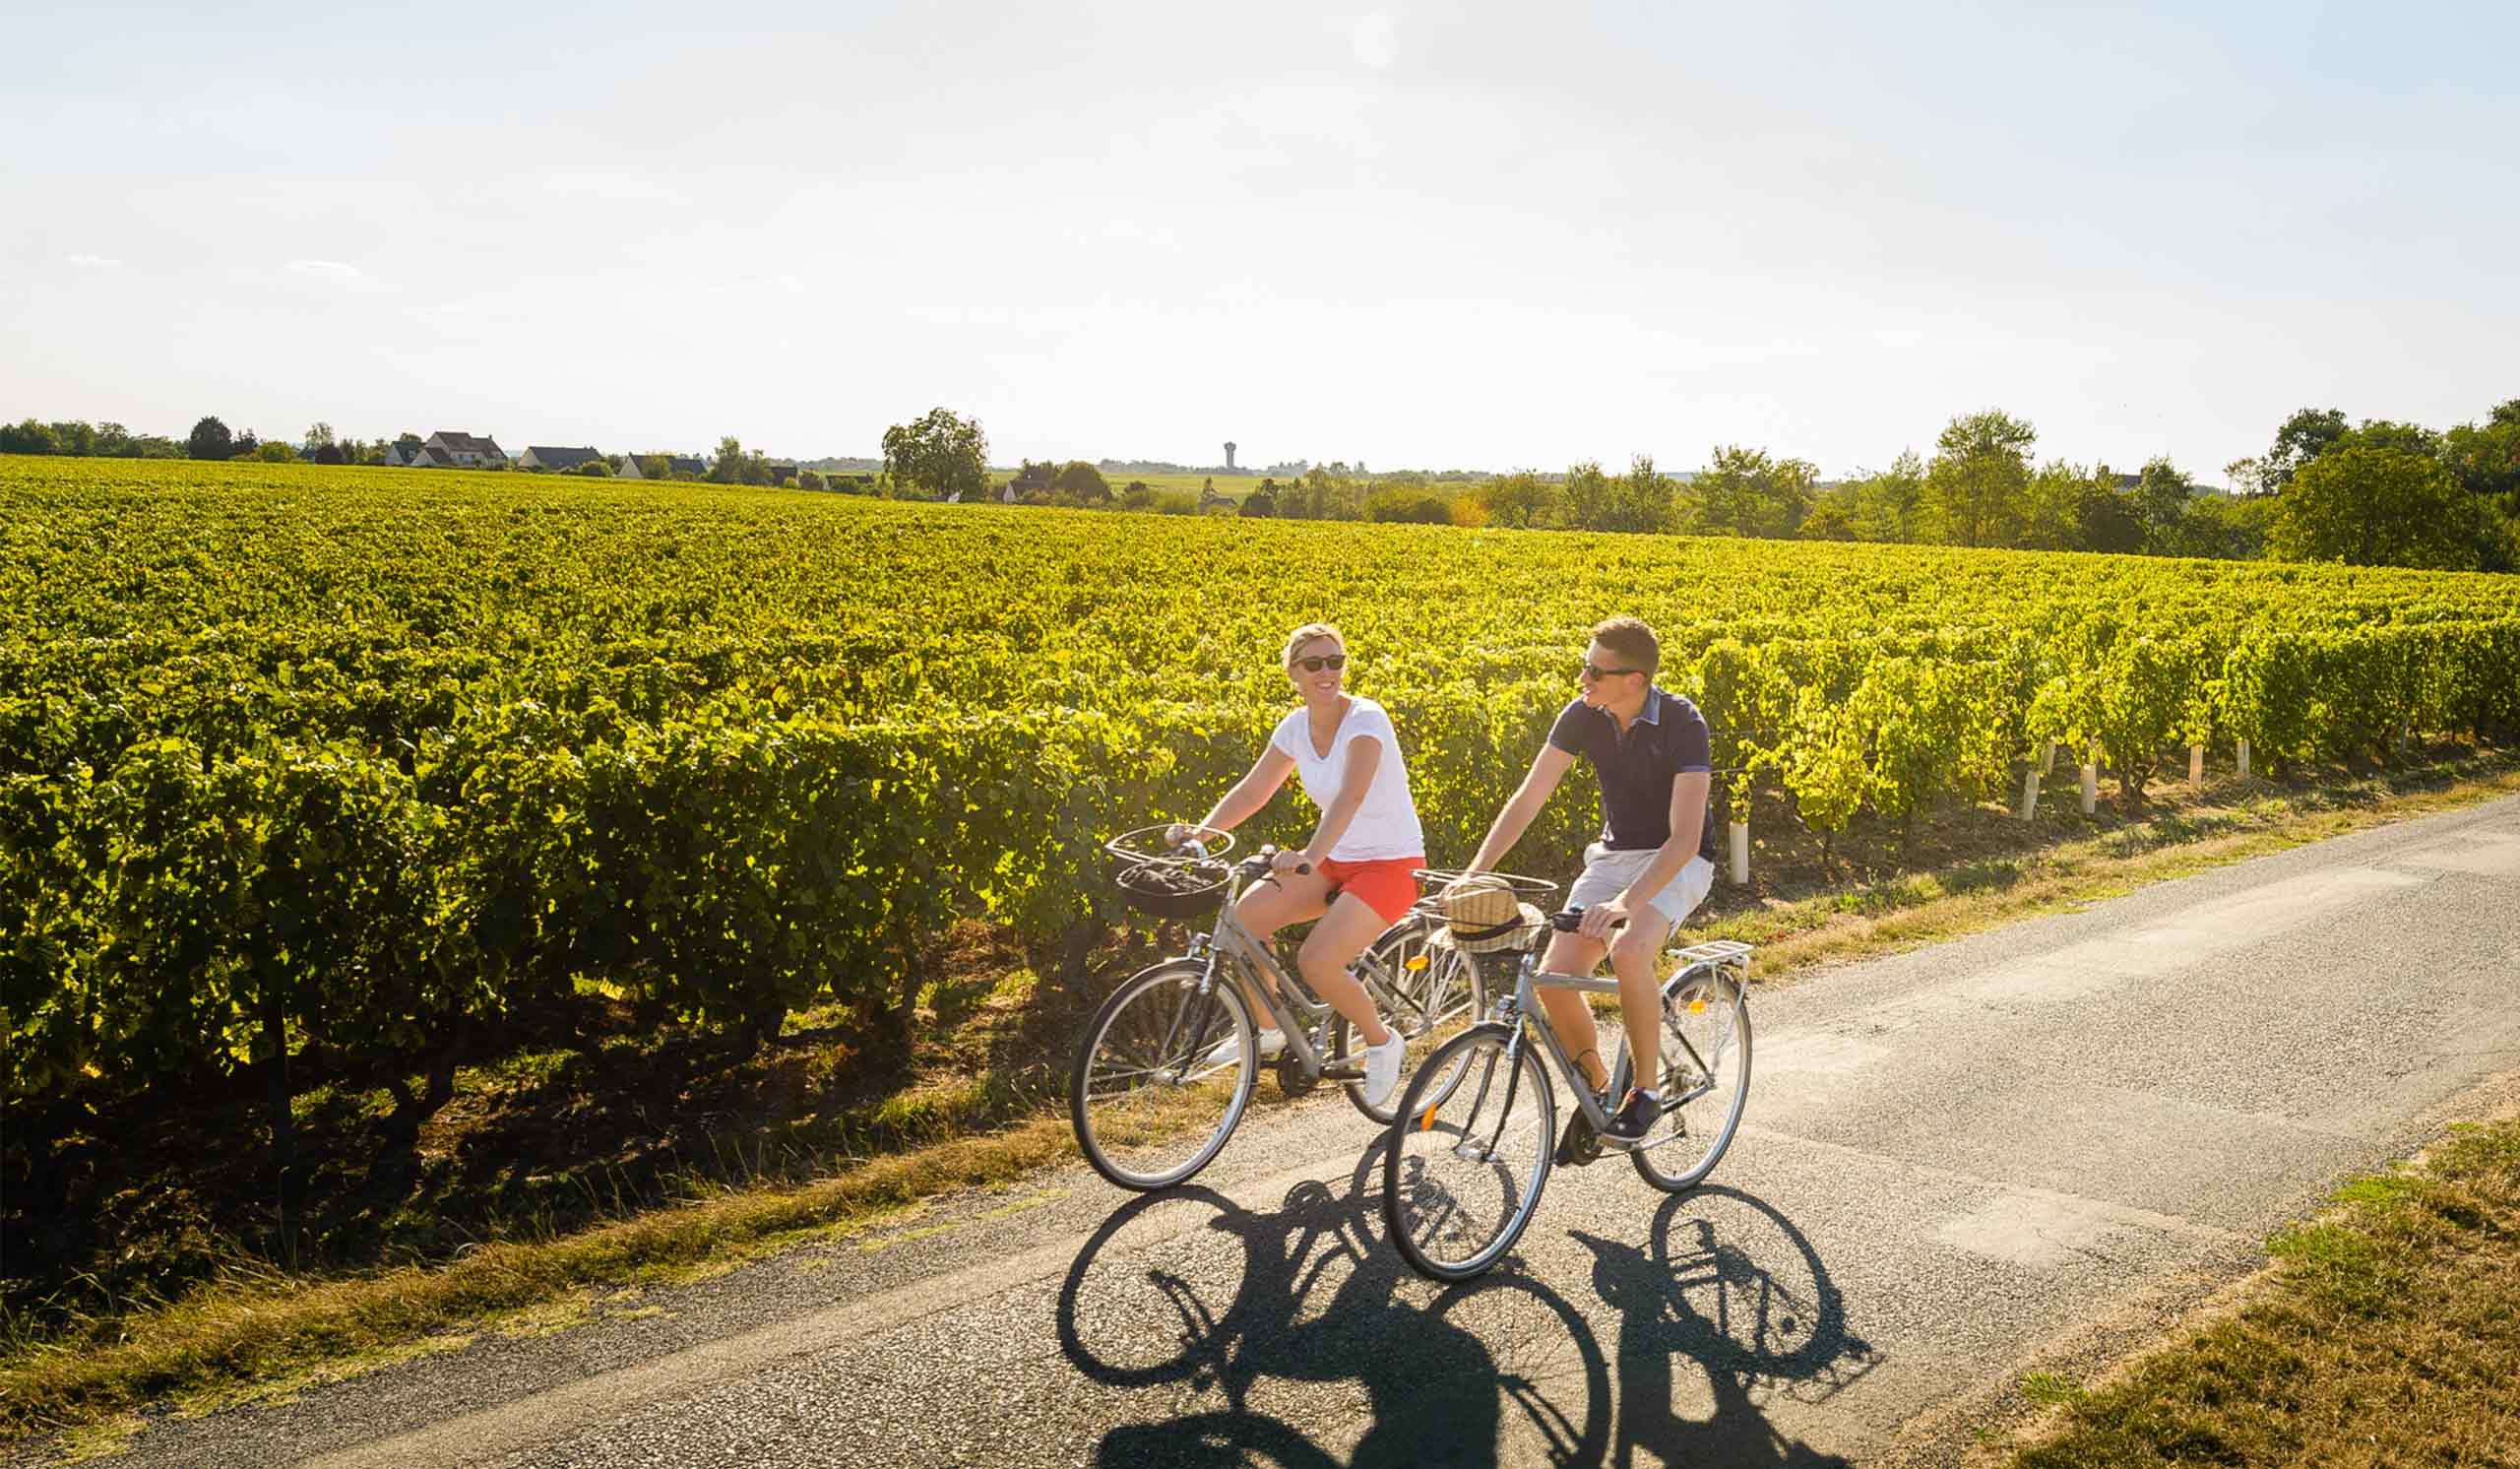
[1631,640]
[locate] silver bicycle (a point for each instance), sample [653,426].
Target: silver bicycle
[1477,1135]
[1167,1069]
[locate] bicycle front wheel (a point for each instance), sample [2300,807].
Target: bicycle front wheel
[1705,1080]
[1469,1155]
[1163,1076]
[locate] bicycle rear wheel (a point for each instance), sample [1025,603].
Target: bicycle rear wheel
[1418,986]
[1705,1080]
[1438,982]
[1469,1155]
[1163,1076]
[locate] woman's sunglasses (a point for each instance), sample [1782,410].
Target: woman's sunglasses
[1317,665]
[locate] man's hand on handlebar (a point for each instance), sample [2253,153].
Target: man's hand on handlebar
[1600,919]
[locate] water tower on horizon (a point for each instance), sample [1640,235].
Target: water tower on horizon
[1228,454]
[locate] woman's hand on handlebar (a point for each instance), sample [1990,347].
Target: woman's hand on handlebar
[1282,863]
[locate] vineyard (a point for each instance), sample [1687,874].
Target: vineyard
[352,757]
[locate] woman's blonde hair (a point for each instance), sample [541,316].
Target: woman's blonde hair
[1306,634]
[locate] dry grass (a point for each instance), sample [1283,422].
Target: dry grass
[250,1327]
[2385,1335]
[247,1331]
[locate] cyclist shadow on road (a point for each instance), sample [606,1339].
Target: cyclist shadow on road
[1258,1325]
[1255,1329]
[1731,1286]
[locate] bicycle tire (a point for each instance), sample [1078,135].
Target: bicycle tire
[1428,1007]
[1425,1187]
[1144,1137]
[1692,1137]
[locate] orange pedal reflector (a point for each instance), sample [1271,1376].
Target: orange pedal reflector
[1426,1123]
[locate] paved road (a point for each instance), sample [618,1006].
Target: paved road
[1956,1157]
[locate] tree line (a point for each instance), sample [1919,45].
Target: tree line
[2381,493]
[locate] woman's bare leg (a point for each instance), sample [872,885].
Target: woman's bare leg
[1346,931]
[1267,907]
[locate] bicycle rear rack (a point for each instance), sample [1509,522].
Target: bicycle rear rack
[1719,951]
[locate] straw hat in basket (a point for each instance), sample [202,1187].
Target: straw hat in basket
[1482,915]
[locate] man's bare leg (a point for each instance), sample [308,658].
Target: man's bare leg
[1568,1014]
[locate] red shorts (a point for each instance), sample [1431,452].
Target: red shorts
[1388,884]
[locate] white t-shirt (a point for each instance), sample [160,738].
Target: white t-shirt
[1386,825]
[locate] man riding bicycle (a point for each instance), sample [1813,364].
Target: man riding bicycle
[1653,864]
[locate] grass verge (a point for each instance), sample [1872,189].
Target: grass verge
[250,1327]
[2384,1334]
[1920,908]
[214,1339]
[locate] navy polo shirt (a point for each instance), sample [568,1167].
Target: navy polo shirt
[1668,738]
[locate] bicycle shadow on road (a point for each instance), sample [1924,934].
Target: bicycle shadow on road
[1729,1285]
[1255,1330]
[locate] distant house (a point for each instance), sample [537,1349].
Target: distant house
[781,473]
[1031,482]
[675,464]
[470,451]
[431,457]
[545,457]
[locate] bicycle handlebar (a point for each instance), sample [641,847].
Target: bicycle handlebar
[1259,864]
[1566,921]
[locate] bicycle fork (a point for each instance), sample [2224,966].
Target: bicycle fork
[1200,1005]
[1476,1150]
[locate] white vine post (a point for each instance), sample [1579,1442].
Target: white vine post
[2029,806]
[1741,854]
[2196,765]
[2243,762]
[2091,783]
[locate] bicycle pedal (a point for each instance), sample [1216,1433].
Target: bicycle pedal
[1343,1073]
[1471,1150]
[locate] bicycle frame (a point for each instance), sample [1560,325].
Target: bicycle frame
[1524,1015]
[1278,993]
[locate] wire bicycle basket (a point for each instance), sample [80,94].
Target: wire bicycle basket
[1161,882]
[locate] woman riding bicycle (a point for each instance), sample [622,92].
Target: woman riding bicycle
[1357,874]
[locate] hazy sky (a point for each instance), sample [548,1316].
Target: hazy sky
[1421,235]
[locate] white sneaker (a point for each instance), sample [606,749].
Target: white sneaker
[1382,1069]
[1227,1051]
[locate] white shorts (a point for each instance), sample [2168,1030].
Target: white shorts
[1608,873]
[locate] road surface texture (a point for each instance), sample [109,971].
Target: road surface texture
[1954,1159]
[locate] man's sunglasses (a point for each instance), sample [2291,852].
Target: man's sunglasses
[1593,674]
[1317,665]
